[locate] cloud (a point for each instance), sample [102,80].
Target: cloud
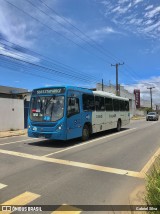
[102,32]
[14,28]
[153,13]
[149,7]
[137,1]
[143,85]
[137,16]
[17,54]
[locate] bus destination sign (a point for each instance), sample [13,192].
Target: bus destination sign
[49,91]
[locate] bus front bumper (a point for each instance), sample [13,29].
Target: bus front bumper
[47,135]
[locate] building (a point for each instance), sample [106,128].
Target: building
[14,103]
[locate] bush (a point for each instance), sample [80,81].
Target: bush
[153,186]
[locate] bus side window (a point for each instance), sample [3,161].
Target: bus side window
[88,102]
[108,104]
[122,105]
[126,105]
[73,106]
[116,104]
[99,102]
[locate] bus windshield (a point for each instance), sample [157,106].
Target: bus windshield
[47,108]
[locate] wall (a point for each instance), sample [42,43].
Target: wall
[140,113]
[11,114]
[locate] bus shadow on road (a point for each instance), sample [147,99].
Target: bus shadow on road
[69,143]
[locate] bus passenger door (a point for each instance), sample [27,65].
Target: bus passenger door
[74,126]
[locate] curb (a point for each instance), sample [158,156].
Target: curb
[14,134]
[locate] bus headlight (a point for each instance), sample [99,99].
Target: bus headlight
[59,127]
[34,128]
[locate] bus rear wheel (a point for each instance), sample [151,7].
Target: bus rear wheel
[85,133]
[118,125]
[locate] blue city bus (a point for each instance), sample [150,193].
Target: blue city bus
[63,113]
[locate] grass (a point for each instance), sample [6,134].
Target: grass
[12,129]
[153,185]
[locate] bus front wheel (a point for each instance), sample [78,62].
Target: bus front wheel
[118,125]
[85,133]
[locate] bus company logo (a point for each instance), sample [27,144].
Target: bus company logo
[99,116]
[112,115]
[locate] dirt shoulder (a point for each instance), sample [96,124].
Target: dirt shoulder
[137,118]
[12,133]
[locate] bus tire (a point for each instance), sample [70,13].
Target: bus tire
[85,133]
[118,126]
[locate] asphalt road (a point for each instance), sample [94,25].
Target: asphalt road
[102,171]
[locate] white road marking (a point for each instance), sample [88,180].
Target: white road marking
[1,144]
[2,186]
[75,164]
[90,141]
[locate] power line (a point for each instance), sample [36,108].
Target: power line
[47,70]
[26,70]
[97,46]
[100,48]
[56,31]
[62,66]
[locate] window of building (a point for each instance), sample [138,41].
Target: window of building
[88,102]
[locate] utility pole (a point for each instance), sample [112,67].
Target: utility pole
[102,84]
[150,88]
[116,65]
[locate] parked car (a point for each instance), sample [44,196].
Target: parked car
[152,116]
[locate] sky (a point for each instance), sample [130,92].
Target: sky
[74,42]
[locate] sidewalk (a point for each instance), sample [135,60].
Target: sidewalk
[138,117]
[12,133]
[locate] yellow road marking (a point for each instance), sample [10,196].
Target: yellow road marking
[74,163]
[150,162]
[2,186]
[1,144]
[66,209]
[20,200]
[90,141]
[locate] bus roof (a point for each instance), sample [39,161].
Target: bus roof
[85,90]
[107,94]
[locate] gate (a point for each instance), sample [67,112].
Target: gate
[26,108]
